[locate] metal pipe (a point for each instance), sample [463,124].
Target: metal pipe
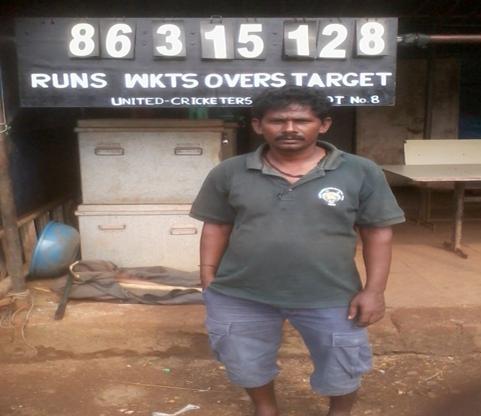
[12,246]
[455,38]
[419,39]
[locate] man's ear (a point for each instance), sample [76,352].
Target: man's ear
[256,125]
[326,123]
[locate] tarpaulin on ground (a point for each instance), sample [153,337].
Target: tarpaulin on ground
[103,280]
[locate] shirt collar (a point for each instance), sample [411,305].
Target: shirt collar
[331,161]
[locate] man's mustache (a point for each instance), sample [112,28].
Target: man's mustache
[289,137]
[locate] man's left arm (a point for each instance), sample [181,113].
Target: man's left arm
[368,306]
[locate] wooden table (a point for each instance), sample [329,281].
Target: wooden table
[459,174]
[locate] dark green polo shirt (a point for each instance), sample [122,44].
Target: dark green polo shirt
[293,245]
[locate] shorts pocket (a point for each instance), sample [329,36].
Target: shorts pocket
[352,352]
[218,332]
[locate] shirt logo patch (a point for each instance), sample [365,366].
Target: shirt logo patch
[331,195]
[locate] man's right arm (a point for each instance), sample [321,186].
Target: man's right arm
[213,243]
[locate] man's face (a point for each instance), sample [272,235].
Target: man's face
[291,129]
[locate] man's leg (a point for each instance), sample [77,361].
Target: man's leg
[264,399]
[245,336]
[342,405]
[340,353]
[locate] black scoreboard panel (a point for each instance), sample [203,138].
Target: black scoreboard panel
[155,62]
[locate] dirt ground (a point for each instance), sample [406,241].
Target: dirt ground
[111,385]
[120,381]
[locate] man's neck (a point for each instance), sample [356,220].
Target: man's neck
[311,154]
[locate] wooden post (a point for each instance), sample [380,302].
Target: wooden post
[429,90]
[13,246]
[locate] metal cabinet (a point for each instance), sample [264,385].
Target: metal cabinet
[145,165]
[140,235]
[139,178]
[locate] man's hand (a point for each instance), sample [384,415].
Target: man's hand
[367,307]
[207,275]
[213,243]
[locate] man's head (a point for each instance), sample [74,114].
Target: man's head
[291,118]
[276,99]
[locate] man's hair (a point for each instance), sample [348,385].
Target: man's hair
[279,98]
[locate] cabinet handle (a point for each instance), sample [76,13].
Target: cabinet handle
[119,227]
[188,151]
[109,151]
[183,231]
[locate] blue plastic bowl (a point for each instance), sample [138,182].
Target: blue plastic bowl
[56,249]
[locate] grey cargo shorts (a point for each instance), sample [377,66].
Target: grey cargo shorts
[245,336]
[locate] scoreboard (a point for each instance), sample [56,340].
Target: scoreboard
[223,62]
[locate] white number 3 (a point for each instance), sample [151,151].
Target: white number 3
[173,46]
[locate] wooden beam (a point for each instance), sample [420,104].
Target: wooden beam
[13,245]
[38,212]
[29,240]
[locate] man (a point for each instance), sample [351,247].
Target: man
[278,243]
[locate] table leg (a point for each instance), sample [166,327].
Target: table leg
[424,209]
[457,231]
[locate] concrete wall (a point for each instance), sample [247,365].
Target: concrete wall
[380,132]
[446,99]
[43,157]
